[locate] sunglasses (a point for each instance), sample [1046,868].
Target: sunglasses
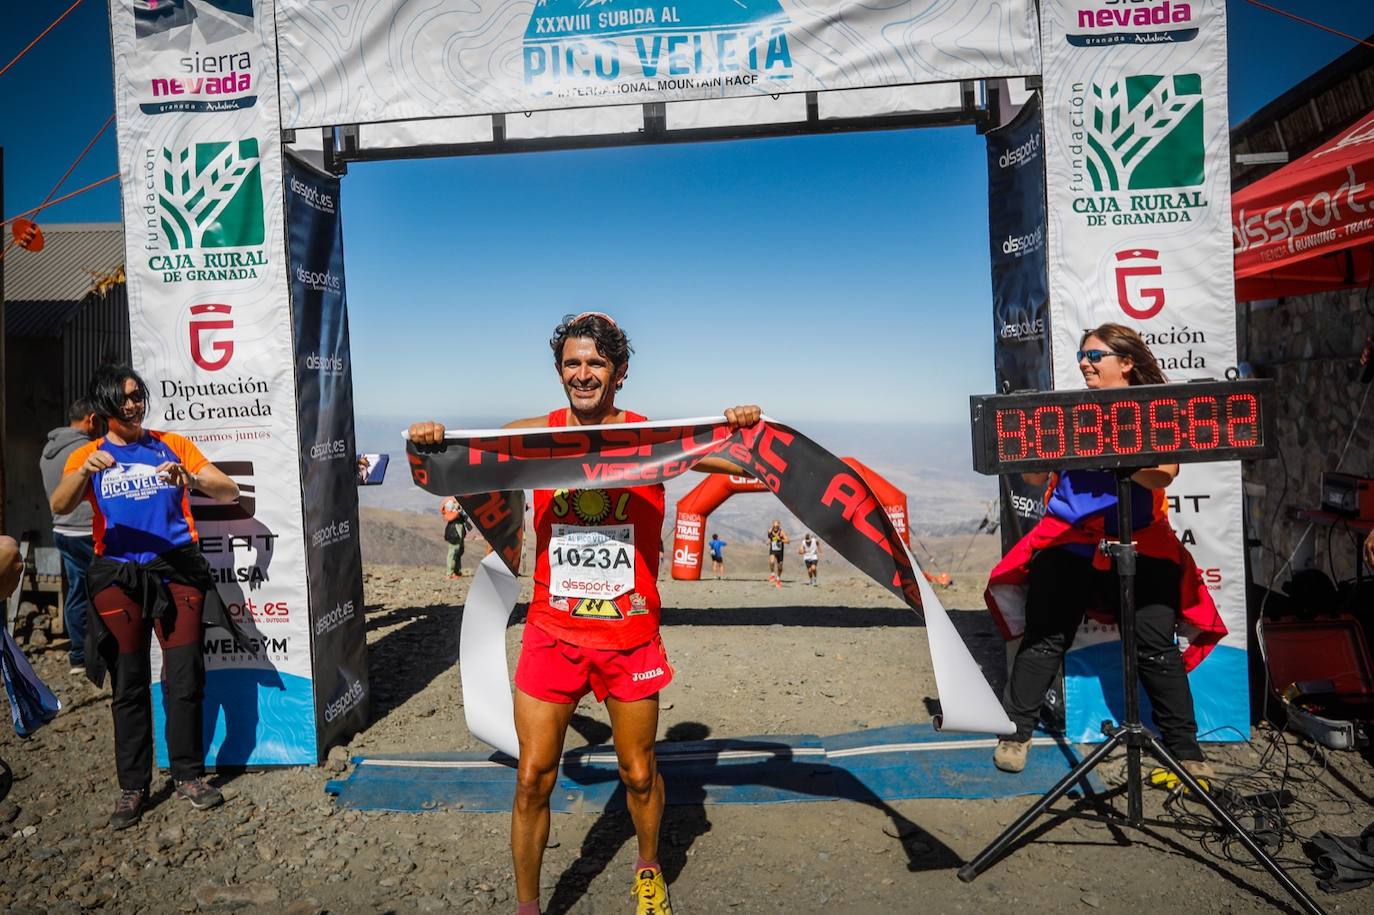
[1094,356]
[135,396]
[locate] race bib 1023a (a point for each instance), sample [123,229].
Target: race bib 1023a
[591,562]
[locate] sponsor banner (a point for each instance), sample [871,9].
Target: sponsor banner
[689,537]
[464,57]
[200,153]
[329,479]
[1137,165]
[828,496]
[1020,288]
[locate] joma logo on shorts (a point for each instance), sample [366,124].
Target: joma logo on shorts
[646,674]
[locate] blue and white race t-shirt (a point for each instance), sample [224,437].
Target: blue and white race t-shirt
[138,514]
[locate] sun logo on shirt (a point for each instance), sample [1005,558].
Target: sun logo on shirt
[591,505]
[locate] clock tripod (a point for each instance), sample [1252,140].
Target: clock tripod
[1136,739]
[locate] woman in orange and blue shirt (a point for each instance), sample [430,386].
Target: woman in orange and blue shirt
[148,576]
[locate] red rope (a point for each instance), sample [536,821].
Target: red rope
[30,45]
[1315,25]
[75,163]
[94,184]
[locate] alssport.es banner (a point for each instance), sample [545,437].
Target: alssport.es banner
[448,58]
[200,169]
[1020,287]
[329,477]
[1138,169]
[492,468]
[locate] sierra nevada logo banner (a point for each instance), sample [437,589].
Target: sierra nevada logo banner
[489,470]
[196,55]
[201,178]
[1138,170]
[464,57]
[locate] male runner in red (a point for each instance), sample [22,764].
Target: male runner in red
[592,626]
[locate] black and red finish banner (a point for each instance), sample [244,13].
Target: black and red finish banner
[489,470]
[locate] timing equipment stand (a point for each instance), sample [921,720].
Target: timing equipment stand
[1134,736]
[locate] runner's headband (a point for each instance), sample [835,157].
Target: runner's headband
[595,314]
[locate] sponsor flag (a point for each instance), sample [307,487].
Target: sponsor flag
[196,99]
[1020,287]
[1137,152]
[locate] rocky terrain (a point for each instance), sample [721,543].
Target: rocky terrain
[751,659]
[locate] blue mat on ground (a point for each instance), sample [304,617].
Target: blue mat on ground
[880,764]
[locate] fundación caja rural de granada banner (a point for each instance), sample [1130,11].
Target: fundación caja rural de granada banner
[1137,155]
[200,170]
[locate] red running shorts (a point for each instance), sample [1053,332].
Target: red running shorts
[552,670]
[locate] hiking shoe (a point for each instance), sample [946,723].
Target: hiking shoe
[128,809]
[651,893]
[1199,769]
[200,793]
[1010,755]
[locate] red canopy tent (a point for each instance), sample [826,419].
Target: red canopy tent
[1309,226]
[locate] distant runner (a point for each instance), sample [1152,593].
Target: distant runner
[810,550]
[777,541]
[717,557]
[593,623]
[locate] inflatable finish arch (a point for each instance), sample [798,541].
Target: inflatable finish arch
[689,529]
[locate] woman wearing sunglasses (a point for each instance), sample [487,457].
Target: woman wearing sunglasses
[1057,571]
[148,576]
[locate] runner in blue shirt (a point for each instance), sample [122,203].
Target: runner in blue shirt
[717,558]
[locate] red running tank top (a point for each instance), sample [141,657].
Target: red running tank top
[596,561]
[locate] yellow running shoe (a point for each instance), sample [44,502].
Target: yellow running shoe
[1161,777]
[651,893]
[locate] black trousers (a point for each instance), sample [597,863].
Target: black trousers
[183,684]
[1063,586]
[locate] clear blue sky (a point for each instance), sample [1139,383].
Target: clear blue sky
[837,277]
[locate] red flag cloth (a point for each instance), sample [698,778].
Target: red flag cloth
[1199,622]
[1309,226]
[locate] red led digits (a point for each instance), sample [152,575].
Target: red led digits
[1203,422]
[1200,421]
[1049,432]
[1242,413]
[1088,439]
[1011,435]
[1164,431]
[1126,437]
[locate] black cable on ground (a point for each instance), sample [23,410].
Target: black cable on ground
[1274,799]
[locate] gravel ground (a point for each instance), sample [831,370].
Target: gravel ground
[751,659]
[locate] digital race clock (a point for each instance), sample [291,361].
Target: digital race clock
[1136,426]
